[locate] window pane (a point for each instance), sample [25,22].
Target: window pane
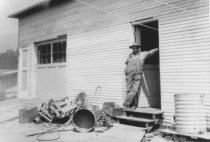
[64,47]
[64,57]
[54,57]
[59,52]
[44,54]
[59,57]
[55,47]
[47,58]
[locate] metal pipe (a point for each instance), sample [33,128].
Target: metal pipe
[83,120]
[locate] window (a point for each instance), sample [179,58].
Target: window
[52,52]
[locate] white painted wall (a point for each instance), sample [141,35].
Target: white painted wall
[98,44]
[184,54]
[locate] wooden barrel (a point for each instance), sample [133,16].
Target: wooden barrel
[190,116]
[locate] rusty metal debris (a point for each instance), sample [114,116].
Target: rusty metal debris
[44,112]
[78,112]
[59,109]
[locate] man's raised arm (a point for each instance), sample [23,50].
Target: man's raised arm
[152,52]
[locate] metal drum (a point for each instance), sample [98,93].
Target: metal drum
[206,101]
[83,120]
[190,113]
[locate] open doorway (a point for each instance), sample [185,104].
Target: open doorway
[149,93]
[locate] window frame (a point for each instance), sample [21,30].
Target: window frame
[51,42]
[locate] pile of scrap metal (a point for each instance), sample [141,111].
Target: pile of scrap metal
[83,116]
[79,113]
[57,110]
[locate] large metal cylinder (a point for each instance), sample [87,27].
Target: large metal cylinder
[83,120]
[190,113]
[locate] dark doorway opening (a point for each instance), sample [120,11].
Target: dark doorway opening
[148,38]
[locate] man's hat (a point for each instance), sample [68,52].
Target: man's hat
[135,45]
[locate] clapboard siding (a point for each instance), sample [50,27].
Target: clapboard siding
[184,57]
[96,61]
[167,104]
[65,23]
[97,45]
[52,27]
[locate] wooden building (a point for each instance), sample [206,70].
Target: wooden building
[80,45]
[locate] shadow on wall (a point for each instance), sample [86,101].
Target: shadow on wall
[8,85]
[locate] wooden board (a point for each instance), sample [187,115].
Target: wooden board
[135,119]
[147,110]
[205,136]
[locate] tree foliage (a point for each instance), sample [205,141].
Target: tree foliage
[9,59]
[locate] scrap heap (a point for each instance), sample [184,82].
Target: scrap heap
[57,110]
[65,111]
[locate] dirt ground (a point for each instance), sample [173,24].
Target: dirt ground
[12,131]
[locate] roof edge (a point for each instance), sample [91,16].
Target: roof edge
[25,10]
[37,7]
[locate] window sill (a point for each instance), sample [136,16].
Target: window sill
[51,65]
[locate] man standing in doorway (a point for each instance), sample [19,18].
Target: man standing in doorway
[133,71]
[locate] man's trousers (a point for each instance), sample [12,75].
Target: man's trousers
[132,86]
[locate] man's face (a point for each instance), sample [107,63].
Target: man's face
[135,50]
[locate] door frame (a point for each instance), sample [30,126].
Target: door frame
[133,39]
